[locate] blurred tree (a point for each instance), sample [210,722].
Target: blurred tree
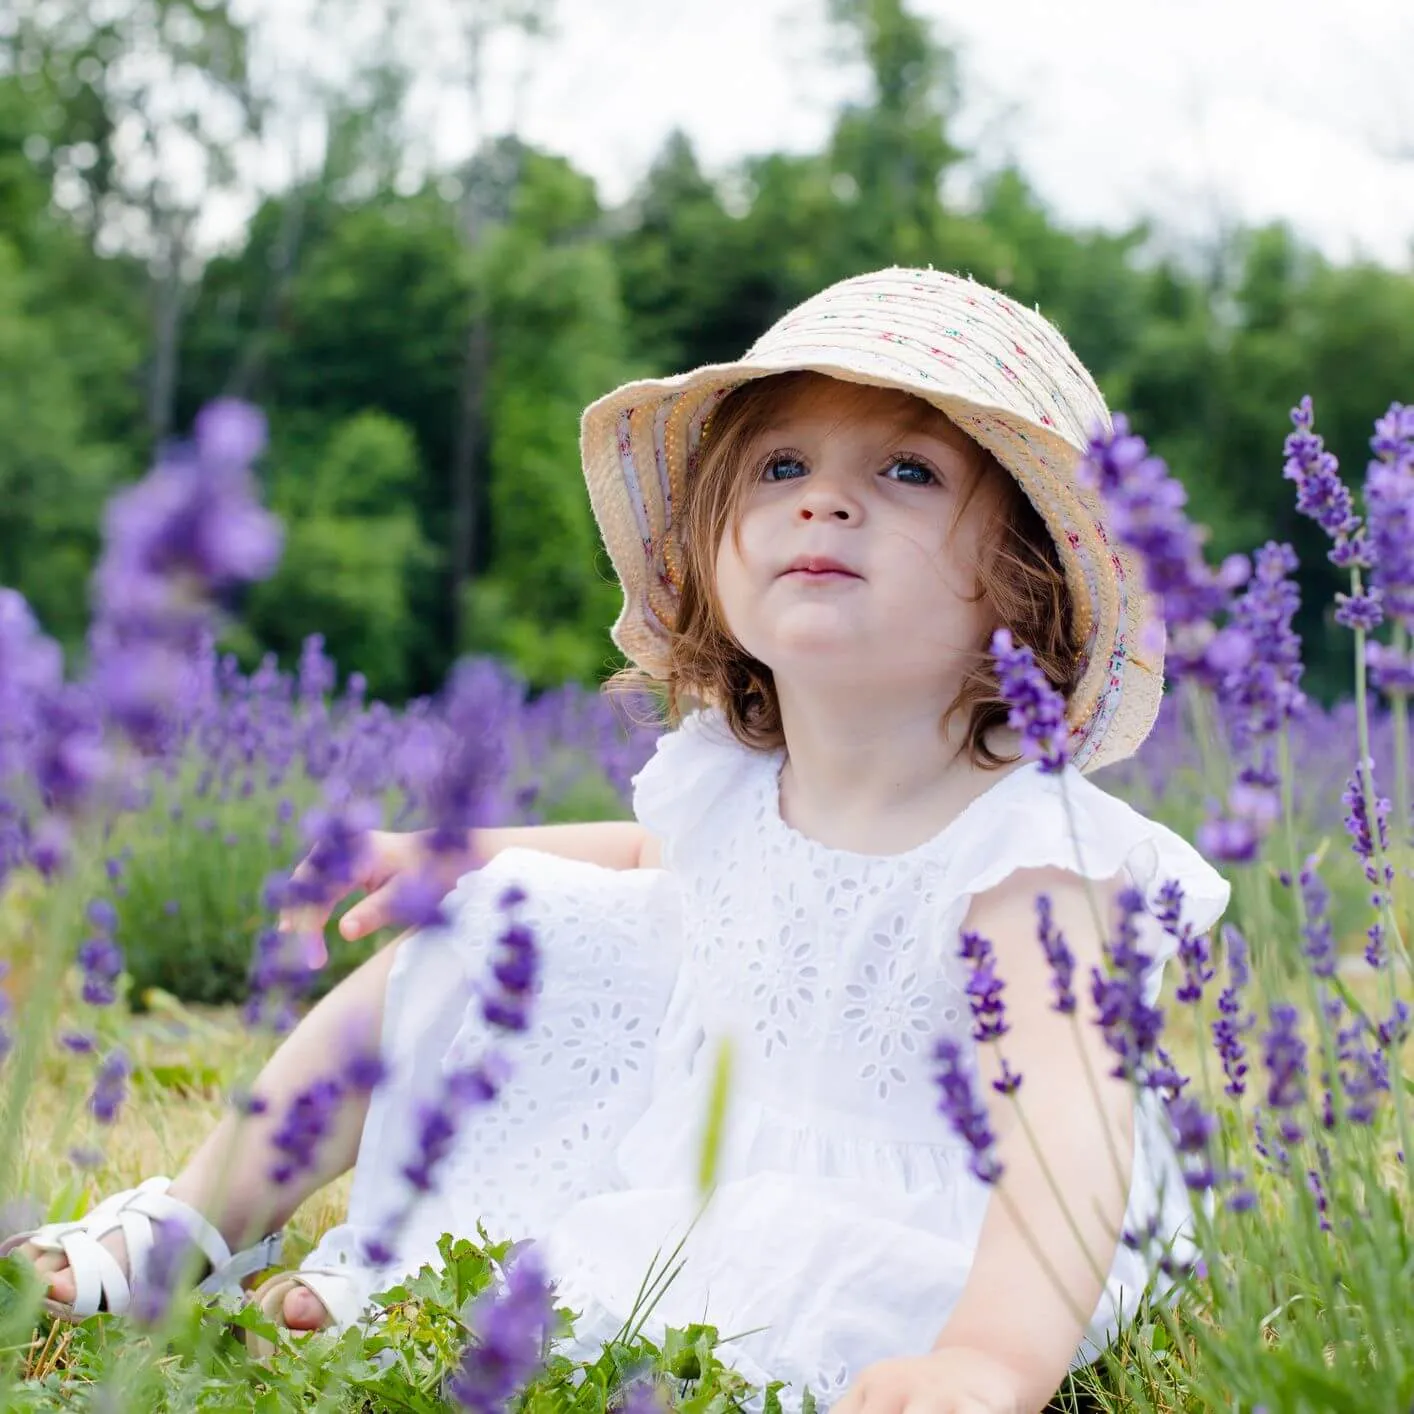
[130,94]
[353,550]
[53,474]
[425,339]
[545,598]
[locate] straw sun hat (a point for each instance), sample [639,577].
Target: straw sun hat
[999,371]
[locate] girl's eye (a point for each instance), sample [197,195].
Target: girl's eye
[911,473]
[783,468]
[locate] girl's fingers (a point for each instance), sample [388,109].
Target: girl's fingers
[370,914]
[375,867]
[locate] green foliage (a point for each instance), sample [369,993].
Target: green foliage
[545,601]
[355,553]
[352,296]
[191,903]
[397,1362]
[52,475]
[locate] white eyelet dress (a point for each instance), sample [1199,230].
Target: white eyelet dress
[845,1218]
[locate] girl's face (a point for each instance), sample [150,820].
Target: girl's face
[853,559]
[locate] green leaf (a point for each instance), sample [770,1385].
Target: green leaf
[715,1129]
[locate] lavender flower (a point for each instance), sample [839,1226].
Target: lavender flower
[1284,1056]
[1146,507]
[100,959]
[1037,709]
[1395,1031]
[1058,956]
[1365,838]
[964,1109]
[514,970]
[1364,1073]
[1130,1025]
[306,1124]
[419,901]
[1318,1192]
[1228,840]
[509,1330]
[1320,493]
[1363,612]
[317,675]
[642,1396]
[464,792]
[31,669]
[172,1256]
[1193,951]
[1389,505]
[186,533]
[1262,689]
[1320,946]
[984,988]
[1390,670]
[1193,1129]
[110,1087]
[1232,1024]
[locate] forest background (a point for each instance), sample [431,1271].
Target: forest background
[423,339]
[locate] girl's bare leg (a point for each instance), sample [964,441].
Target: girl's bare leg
[227,1179]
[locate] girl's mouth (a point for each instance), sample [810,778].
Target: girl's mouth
[820,567]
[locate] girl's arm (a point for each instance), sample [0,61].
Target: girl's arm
[388,858]
[616,844]
[1033,1285]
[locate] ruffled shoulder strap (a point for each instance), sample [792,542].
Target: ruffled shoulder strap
[696,772]
[1065,821]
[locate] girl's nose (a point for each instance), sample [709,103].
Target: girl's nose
[823,500]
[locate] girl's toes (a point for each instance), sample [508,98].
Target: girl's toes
[304,1311]
[61,1286]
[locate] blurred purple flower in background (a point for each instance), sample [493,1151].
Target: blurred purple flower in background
[110,1088]
[175,542]
[510,1326]
[172,1254]
[1284,1055]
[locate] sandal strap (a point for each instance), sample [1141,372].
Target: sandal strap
[98,1276]
[151,1205]
[255,1258]
[100,1283]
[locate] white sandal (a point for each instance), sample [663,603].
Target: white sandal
[101,1284]
[341,1297]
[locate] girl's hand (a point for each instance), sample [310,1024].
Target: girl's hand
[386,860]
[953,1380]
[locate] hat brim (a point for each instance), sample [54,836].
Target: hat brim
[639,445]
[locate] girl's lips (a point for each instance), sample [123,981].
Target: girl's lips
[820,567]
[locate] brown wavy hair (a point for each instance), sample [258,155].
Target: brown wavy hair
[1019,574]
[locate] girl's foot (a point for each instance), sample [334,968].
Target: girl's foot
[304,1311]
[90,1263]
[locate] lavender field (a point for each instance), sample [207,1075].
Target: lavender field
[155,798]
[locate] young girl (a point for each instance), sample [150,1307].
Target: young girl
[815,546]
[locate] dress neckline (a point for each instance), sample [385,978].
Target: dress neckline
[811,846]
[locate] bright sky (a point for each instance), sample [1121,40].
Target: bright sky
[1198,112]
